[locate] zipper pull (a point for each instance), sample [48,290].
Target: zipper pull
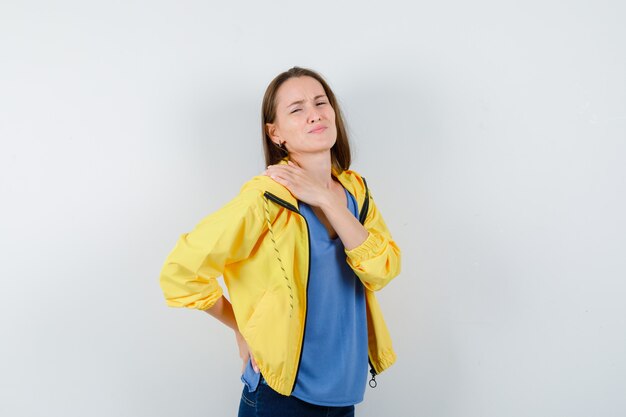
[373,382]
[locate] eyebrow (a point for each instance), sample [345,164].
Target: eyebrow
[302,101]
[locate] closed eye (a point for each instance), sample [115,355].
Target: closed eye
[295,110]
[321,103]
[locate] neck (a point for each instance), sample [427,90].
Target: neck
[317,165]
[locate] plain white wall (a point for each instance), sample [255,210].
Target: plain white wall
[493,135]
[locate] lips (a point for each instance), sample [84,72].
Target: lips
[318,129]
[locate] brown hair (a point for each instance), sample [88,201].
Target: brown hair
[339,153]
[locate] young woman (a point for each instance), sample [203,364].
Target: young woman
[302,250]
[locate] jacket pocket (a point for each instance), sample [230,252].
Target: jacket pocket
[263,306]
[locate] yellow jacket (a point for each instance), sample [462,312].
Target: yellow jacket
[259,242]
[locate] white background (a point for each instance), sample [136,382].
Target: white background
[492,134]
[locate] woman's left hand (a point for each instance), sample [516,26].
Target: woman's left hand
[301,185]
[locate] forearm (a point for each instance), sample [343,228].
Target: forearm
[223,311]
[348,228]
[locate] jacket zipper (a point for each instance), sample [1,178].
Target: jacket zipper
[362,216]
[291,207]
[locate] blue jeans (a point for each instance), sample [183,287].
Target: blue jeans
[265,402]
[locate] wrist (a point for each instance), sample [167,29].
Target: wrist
[327,201]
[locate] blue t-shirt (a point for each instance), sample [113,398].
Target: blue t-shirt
[333,368]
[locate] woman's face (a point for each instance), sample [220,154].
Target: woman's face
[305,120]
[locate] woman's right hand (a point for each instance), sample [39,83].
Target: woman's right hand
[244,352]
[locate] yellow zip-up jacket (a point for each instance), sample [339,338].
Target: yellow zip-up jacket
[259,242]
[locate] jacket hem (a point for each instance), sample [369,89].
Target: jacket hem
[385,359]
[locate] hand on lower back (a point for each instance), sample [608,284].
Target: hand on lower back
[244,353]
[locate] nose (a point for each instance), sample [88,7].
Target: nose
[314,116]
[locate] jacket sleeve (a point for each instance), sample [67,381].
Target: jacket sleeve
[376,261]
[188,277]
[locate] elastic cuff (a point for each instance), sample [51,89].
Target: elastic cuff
[209,301]
[365,250]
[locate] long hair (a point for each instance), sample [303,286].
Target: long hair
[340,152]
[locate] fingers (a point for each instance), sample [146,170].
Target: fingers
[283,174]
[243,365]
[285,169]
[254,365]
[244,358]
[289,166]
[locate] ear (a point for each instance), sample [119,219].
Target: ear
[272,132]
